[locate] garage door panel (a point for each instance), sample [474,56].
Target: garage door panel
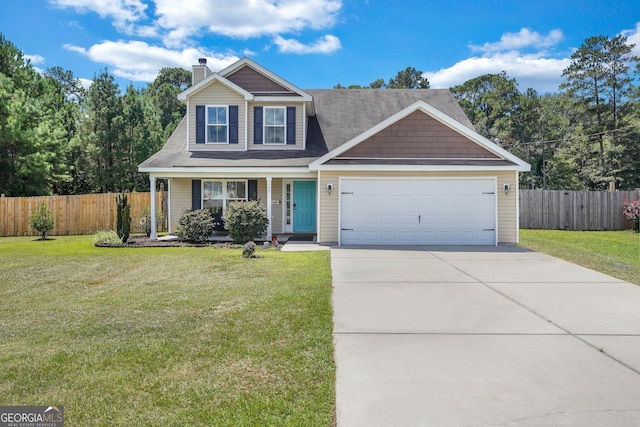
[442,212]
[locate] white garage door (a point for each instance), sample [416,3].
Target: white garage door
[418,212]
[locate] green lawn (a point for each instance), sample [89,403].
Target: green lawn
[616,253]
[166,336]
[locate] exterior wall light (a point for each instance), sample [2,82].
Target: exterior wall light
[329,188]
[506,188]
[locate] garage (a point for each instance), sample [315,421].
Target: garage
[418,211]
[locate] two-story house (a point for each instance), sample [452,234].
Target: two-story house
[348,166]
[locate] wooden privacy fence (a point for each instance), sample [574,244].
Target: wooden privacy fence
[81,214]
[574,210]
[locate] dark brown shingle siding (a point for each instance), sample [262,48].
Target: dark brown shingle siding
[254,82]
[418,136]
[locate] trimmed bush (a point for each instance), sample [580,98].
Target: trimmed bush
[107,238]
[123,221]
[41,220]
[245,221]
[195,226]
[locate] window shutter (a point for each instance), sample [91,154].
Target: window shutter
[233,124]
[291,125]
[257,125]
[200,125]
[253,189]
[196,194]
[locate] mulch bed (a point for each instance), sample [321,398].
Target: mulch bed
[146,242]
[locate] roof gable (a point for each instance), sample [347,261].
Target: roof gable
[395,123]
[418,136]
[261,82]
[256,83]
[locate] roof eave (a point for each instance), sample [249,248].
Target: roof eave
[418,168]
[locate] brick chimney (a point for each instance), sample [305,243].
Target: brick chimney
[200,71]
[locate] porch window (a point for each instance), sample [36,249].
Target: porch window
[288,204]
[217,124]
[274,125]
[217,195]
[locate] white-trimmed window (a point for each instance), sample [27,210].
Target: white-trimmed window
[217,124]
[217,195]
[275,125]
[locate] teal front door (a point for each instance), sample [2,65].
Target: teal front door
[304,206]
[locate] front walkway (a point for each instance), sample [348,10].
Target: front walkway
[482,336]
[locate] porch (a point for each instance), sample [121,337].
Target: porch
[290,202]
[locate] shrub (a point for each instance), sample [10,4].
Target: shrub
[107,238]
[631,211]
[245,221]
[195,226]
[123,221]
[41,220]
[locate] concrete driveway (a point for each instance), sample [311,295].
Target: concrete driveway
[430,336]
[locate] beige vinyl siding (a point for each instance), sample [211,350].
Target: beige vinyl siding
[507,218]
[300,122]
[180,200]
[217,94]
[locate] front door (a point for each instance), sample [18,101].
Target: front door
[304,206]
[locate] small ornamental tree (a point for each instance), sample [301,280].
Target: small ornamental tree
[245,221]
[631,211]
[41,220]
[123,219]
[195,226]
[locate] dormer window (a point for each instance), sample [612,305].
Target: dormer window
[217,124]
[274,125]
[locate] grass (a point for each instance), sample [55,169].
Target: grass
[616,253]
[166,336]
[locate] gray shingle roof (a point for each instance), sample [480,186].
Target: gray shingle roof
[341,115]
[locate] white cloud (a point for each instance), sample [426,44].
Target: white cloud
[542,74]
[139,61]
[245,18]
[633,37]
[525,38]
[123,12]
[535,69]
[86,83]
[35,59]
[325,44]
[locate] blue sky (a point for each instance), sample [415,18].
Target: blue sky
[317,43]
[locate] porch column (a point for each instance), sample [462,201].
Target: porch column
[269,229]
[152,182]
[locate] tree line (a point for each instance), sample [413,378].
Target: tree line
[56,137]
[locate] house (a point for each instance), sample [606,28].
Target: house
[349,166]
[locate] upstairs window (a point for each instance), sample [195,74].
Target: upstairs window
[217,125]
[274,125]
